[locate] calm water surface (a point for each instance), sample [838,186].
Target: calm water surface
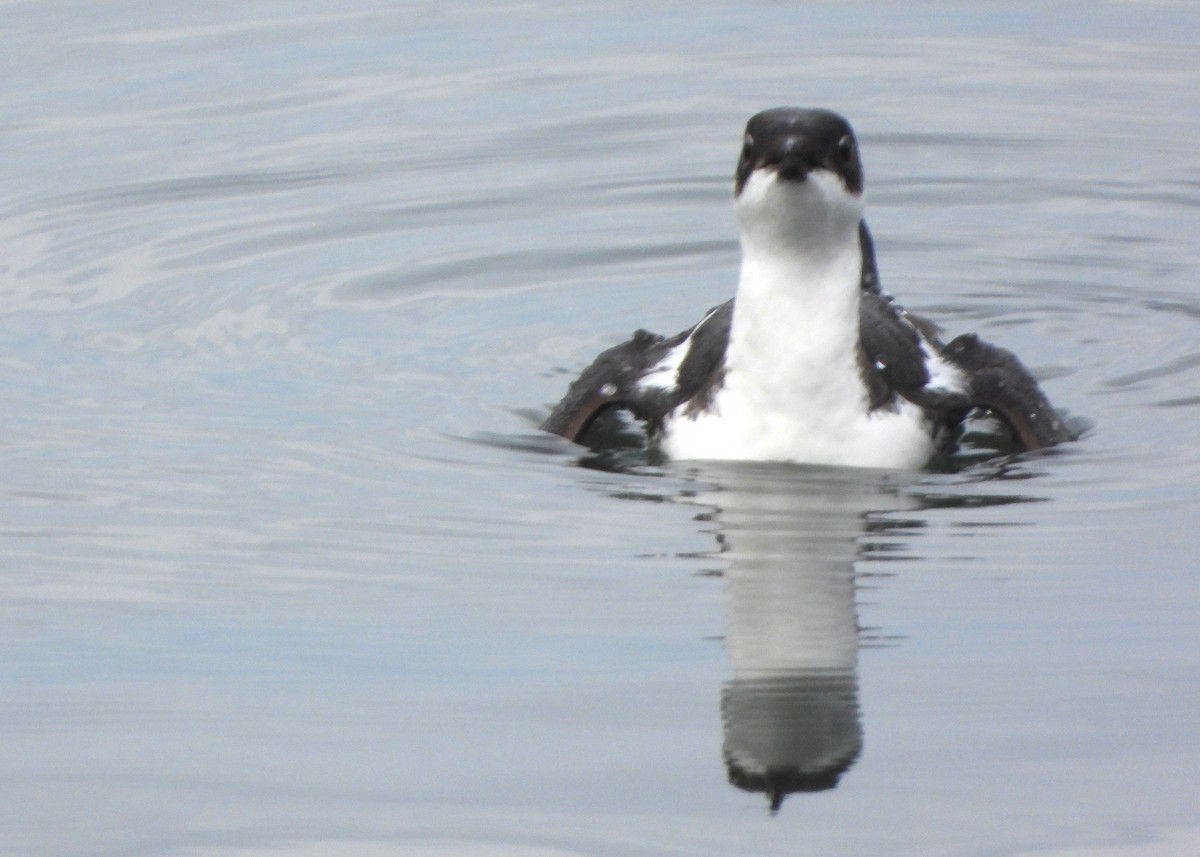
[286,568]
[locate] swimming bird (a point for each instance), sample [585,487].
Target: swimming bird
[811,361]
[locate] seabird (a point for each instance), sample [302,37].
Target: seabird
[811,361]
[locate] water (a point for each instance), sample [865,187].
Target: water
[288,570]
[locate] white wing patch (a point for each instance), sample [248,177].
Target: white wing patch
[665,375]
[943,375]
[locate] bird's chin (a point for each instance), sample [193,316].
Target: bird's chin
[813,205]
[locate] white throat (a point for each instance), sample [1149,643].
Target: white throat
[792,387]
[795,321]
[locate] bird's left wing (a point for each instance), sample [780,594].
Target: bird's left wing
[900,350]
[998,382]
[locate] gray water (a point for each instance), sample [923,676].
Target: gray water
[285,567]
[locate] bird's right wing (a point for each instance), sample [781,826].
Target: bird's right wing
[610,381]
[615,378]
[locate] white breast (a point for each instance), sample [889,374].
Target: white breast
[792,388]
[808,405]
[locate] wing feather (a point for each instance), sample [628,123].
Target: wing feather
[612,381]
[999,382]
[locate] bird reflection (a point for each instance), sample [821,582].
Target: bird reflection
[790,536]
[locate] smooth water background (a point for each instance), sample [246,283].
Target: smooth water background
[286,569]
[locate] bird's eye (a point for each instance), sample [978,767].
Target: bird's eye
[846,148]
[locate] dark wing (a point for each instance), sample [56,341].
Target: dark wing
[896,346]
[892,357]
[611,381]
[702,369]
[999,382]
[614,379]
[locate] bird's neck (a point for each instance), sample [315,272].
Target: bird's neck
[797,303]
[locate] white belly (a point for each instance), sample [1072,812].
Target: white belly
[837,432]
